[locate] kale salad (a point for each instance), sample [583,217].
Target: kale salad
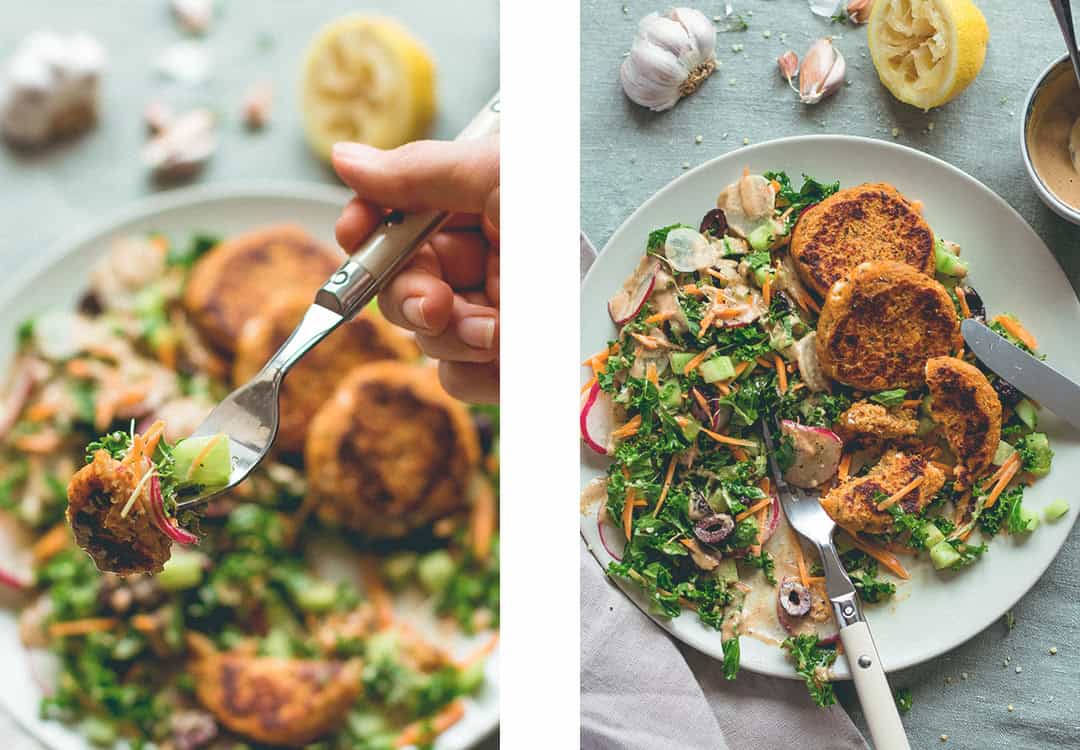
[918,452]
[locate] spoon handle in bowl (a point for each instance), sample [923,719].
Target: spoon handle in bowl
[1063,11]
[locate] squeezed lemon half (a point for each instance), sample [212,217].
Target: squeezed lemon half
[927,51]
[366,79]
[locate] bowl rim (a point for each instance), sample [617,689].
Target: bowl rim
[1055,204]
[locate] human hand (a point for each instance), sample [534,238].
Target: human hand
[448,294]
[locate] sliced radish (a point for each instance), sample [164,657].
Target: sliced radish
[22,385]
[689,250]
[819,620]
[603,539]
[817,454]
[16,559]
[629,300]
[45,668]
[168,526]
[597,420]
[772,520]
[806,357]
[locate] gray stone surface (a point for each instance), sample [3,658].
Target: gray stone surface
[628,153]
[46,195]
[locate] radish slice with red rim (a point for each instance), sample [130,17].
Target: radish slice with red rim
[597,419]
[817,454]
[629,300]
[603,539]
[168,526]
[689,250]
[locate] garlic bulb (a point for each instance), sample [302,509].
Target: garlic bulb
[50,88]
[671,56]
[822,72]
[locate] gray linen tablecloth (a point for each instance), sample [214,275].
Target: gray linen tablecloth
[49,194]
[627,154]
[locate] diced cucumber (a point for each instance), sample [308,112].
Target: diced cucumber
[690,428]
[1055,510]
[1038,454]
[947,262]
[205,461]
[435,570]
[718,501]
[1004,451]
[400,568]
[761,238]
[717,368]
[942,555]
[934,537]
[1025,410]
[727,571]
[761,275]
[316,597]
[184,570]
[780,338]
[98,731]
[671,394]
[471,678]
[679,361]
[1030,517]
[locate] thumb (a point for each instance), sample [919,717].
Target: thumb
[449,175]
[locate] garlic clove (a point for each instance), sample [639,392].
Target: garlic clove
[822,72]
[858,11]
[669,58]
[788,63]
[651,76]
[701,30]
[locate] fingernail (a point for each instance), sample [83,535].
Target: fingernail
[351,150]
[413,310]
[477,331]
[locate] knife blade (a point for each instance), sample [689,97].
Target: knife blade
[1031,376]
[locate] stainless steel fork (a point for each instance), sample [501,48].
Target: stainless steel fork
[809,519]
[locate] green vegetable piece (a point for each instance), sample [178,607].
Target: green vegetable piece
[889,399]
[316,597]
[727,571]
[400,568]
[1055,510]
[718,501]
[204,461]
[679,361]
[761,238]
[690,428]
[943,555]
[1025,410]
[435,570]
[1036,454]
[717,368]
[183,571]
[932,534]
[1029,518]
[1004,451]
[947,262]
[471,678]
[98,731]
[671,394]
[924,406]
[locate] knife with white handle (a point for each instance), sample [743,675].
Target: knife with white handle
[1031,376]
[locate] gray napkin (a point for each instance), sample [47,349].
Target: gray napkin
[642,690]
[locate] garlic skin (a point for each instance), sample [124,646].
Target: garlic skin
[670,57]
[50,88]
[822,72]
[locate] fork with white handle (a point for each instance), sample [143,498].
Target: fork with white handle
[809,519]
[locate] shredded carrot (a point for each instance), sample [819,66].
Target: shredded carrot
[45,441]
[764,363]
[843,471]
[961,297]
[376,591]
[739,453]
[810,302]
[726,440]
[740,369]
[599,357]
[628,515]
[144,623]
[81,627]
[911,403]
[51,542]
[660,317]
[815,579]
[901,493]
[774,185]
[883,556]
[1003,481]
[804,578]
[692,290]
[480,653]
[589,385]
[701,400]
[647,341]
[203,454]
[483,518]
[667,484]
[766,290]
[650,373]
[425,730]
[153,436]
[696,361]
[724,388]
[781,373]
[755,548]
[41,411]
[628,429]
[79,368]
[727,313]
[1013,326]
[762,503]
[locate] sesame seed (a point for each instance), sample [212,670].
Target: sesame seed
[895,132]
[745,141]
[1053,650]
[963,675]
[766,33]
[1019,670]
[731,82]
[736,48]
[685,165]
[1010,707]
[698,138]
[948,680]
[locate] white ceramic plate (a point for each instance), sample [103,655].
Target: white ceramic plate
[58,277]
[1013,271]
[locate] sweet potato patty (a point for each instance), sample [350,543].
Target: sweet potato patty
[367,338]
[879,327]
[862,223]
[390,452]
[967,407]
[853,504]
[236,280]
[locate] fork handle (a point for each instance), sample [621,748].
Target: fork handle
[876,698]
[375,262]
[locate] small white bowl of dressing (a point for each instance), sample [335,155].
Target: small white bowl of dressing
[1051,109]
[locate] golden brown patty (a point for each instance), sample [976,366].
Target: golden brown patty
[880,325]
[96,495]
[236,280]
[280,702]
[967,407]
[862,223]
[870,422]
[390,452]
[853,504]
[368,338]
